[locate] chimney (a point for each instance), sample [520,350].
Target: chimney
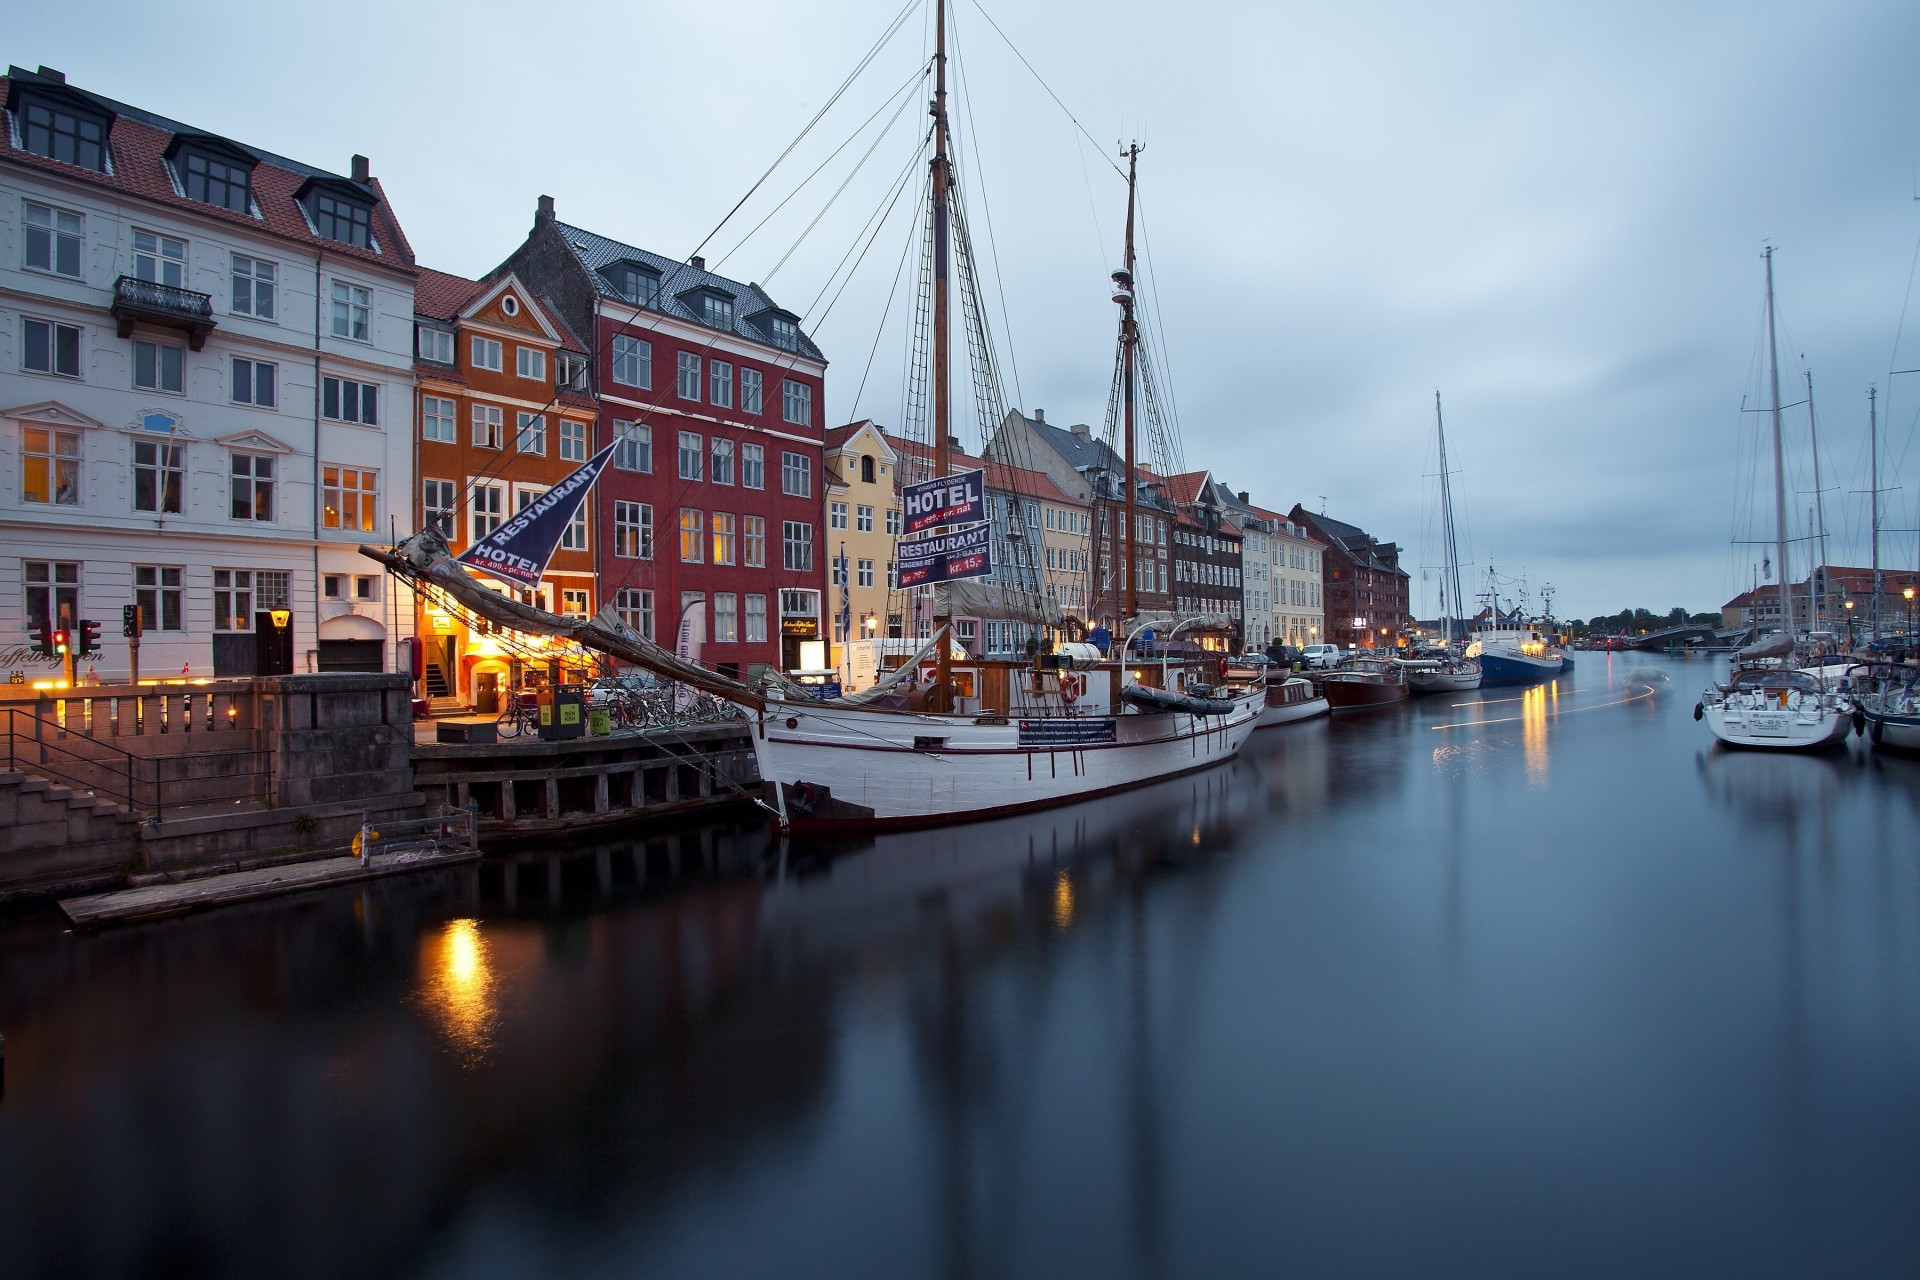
[361,171]
[1244,499]
[699,263]
[48,73]
[545,212]
[1081,431]
[1040,416]
[953,443]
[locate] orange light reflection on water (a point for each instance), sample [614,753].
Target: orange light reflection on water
[1062,900]
[457,986]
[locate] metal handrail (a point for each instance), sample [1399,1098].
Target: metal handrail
[163,297]
[138,791]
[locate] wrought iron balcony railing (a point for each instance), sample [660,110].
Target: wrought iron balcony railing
[146,302]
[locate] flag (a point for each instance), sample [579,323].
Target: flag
[518,551]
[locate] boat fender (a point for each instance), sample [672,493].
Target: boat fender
[1873,732]
[1071,687]
[1698,710]
[1859,722]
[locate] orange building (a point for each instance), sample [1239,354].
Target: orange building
[503,416]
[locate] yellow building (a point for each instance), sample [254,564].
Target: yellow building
[863,520]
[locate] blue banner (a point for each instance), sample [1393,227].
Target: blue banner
[945,557]
[960,498]
[518,550]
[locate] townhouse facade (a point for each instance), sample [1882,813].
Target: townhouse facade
[1209,577]
[503,417]
[711,514]
[1290,606]
[863,521]
[207,401]
[1366,595]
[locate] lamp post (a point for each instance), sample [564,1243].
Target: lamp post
[1849,608]
[1908,593]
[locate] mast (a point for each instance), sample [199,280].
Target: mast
[1873,484]
[1129,340]
[1818,579]
[1779,466]
[942,451]
[1450,551]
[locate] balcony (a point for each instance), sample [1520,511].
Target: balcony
[144,302]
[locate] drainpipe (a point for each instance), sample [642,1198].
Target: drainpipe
[313,654]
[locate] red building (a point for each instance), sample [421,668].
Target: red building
[711,511]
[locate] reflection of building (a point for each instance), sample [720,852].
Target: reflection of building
[207,402]
[710,511]
[500,424]
[1366,589]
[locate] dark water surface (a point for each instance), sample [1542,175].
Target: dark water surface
[1540,984]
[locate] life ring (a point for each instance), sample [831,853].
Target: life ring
[1072,686]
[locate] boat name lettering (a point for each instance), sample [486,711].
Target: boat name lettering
[1070,732]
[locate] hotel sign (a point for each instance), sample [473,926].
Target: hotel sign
[960,498]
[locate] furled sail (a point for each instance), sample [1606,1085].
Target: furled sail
[1001,601]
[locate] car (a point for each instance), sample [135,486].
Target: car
[1320,655]
[1253,658]
[602,691]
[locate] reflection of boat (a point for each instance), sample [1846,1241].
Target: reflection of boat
[1364,682]
[1886,697]
[1766,788]
[1767,701]
[1290,699]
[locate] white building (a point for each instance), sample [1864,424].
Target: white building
[206,358]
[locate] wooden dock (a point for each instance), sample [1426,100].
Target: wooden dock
[158,901]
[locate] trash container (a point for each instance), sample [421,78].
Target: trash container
[563,713]
[599,723]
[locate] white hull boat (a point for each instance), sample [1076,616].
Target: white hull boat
[851,767]
[1291,700]
[1776,709]
[1441,675]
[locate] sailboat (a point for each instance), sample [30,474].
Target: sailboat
[1446,669]
[1767,700]
[944,738]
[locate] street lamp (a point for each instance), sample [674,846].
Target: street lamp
[1908,593]
[1849,608]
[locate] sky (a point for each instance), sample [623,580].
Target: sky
[1552,214]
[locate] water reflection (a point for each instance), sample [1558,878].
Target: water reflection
[1062,900]
[1533,732]
[456,985]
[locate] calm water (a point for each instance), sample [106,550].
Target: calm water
[1517,984]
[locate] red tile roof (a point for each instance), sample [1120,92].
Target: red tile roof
[137,150]
[1185,487]
[1019,480]
[440,295]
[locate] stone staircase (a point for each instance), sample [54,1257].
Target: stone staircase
[54,837]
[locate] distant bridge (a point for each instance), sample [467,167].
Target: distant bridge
[1686,634]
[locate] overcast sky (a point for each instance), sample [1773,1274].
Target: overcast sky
[1552,213]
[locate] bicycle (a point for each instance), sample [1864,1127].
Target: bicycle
[520,716]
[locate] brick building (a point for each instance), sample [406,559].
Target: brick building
[1364,588]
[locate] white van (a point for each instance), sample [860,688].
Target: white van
[1320,655]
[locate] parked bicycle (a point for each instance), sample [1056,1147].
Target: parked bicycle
[520,716]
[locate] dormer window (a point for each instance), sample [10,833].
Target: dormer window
[638,285]
[717,311]
[339,216]
[433,344]
[213,172]
[63,131]
[786,333]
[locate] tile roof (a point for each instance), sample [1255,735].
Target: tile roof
[136,146]
[1007,479]
[439,295]
[1086,454]
[751,302]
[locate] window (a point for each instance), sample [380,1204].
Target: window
[690,448]
[756,620]
[642,287]
[251,485]
[753,472]
[50,348]
[799,604]
[726,627]
[161,259]
[836,513]
[433,344]
[485,353]
[893,521]
[796,475]
[53,240]
[796,546]
[573,602]
[214,180]
[633,530]
[347,401]
[52,589]
[573,441]
[438,506]
[635,608]
[720,383]
[158,366]
[786,334]
[866,469]
[237,593]
[352,312]
[689,387]
[159,475]
[488,502]
[717,312]
[633,362]
[574,536]
[253,287]
[721,469]
[569,372]
[334,586]
[863,519]
[336,218]
[531,437]
[255,382]
[692,605]
[753,541]
[633,445]
[722,538]
[60,133]
[436,419]
[750,400]
[796,402]
[691,549]
[349,498]
[865,568]
[50,467]
[529,363]
[156,589]
[487,429]
[366,586]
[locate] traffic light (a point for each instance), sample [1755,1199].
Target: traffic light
[62,642]
[43,640]
[130,621]
[89,638]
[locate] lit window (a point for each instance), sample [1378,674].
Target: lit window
[50,467]
[692,549]
[349,498]
[156,589]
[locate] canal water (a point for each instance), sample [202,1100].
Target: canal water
[1517,983]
